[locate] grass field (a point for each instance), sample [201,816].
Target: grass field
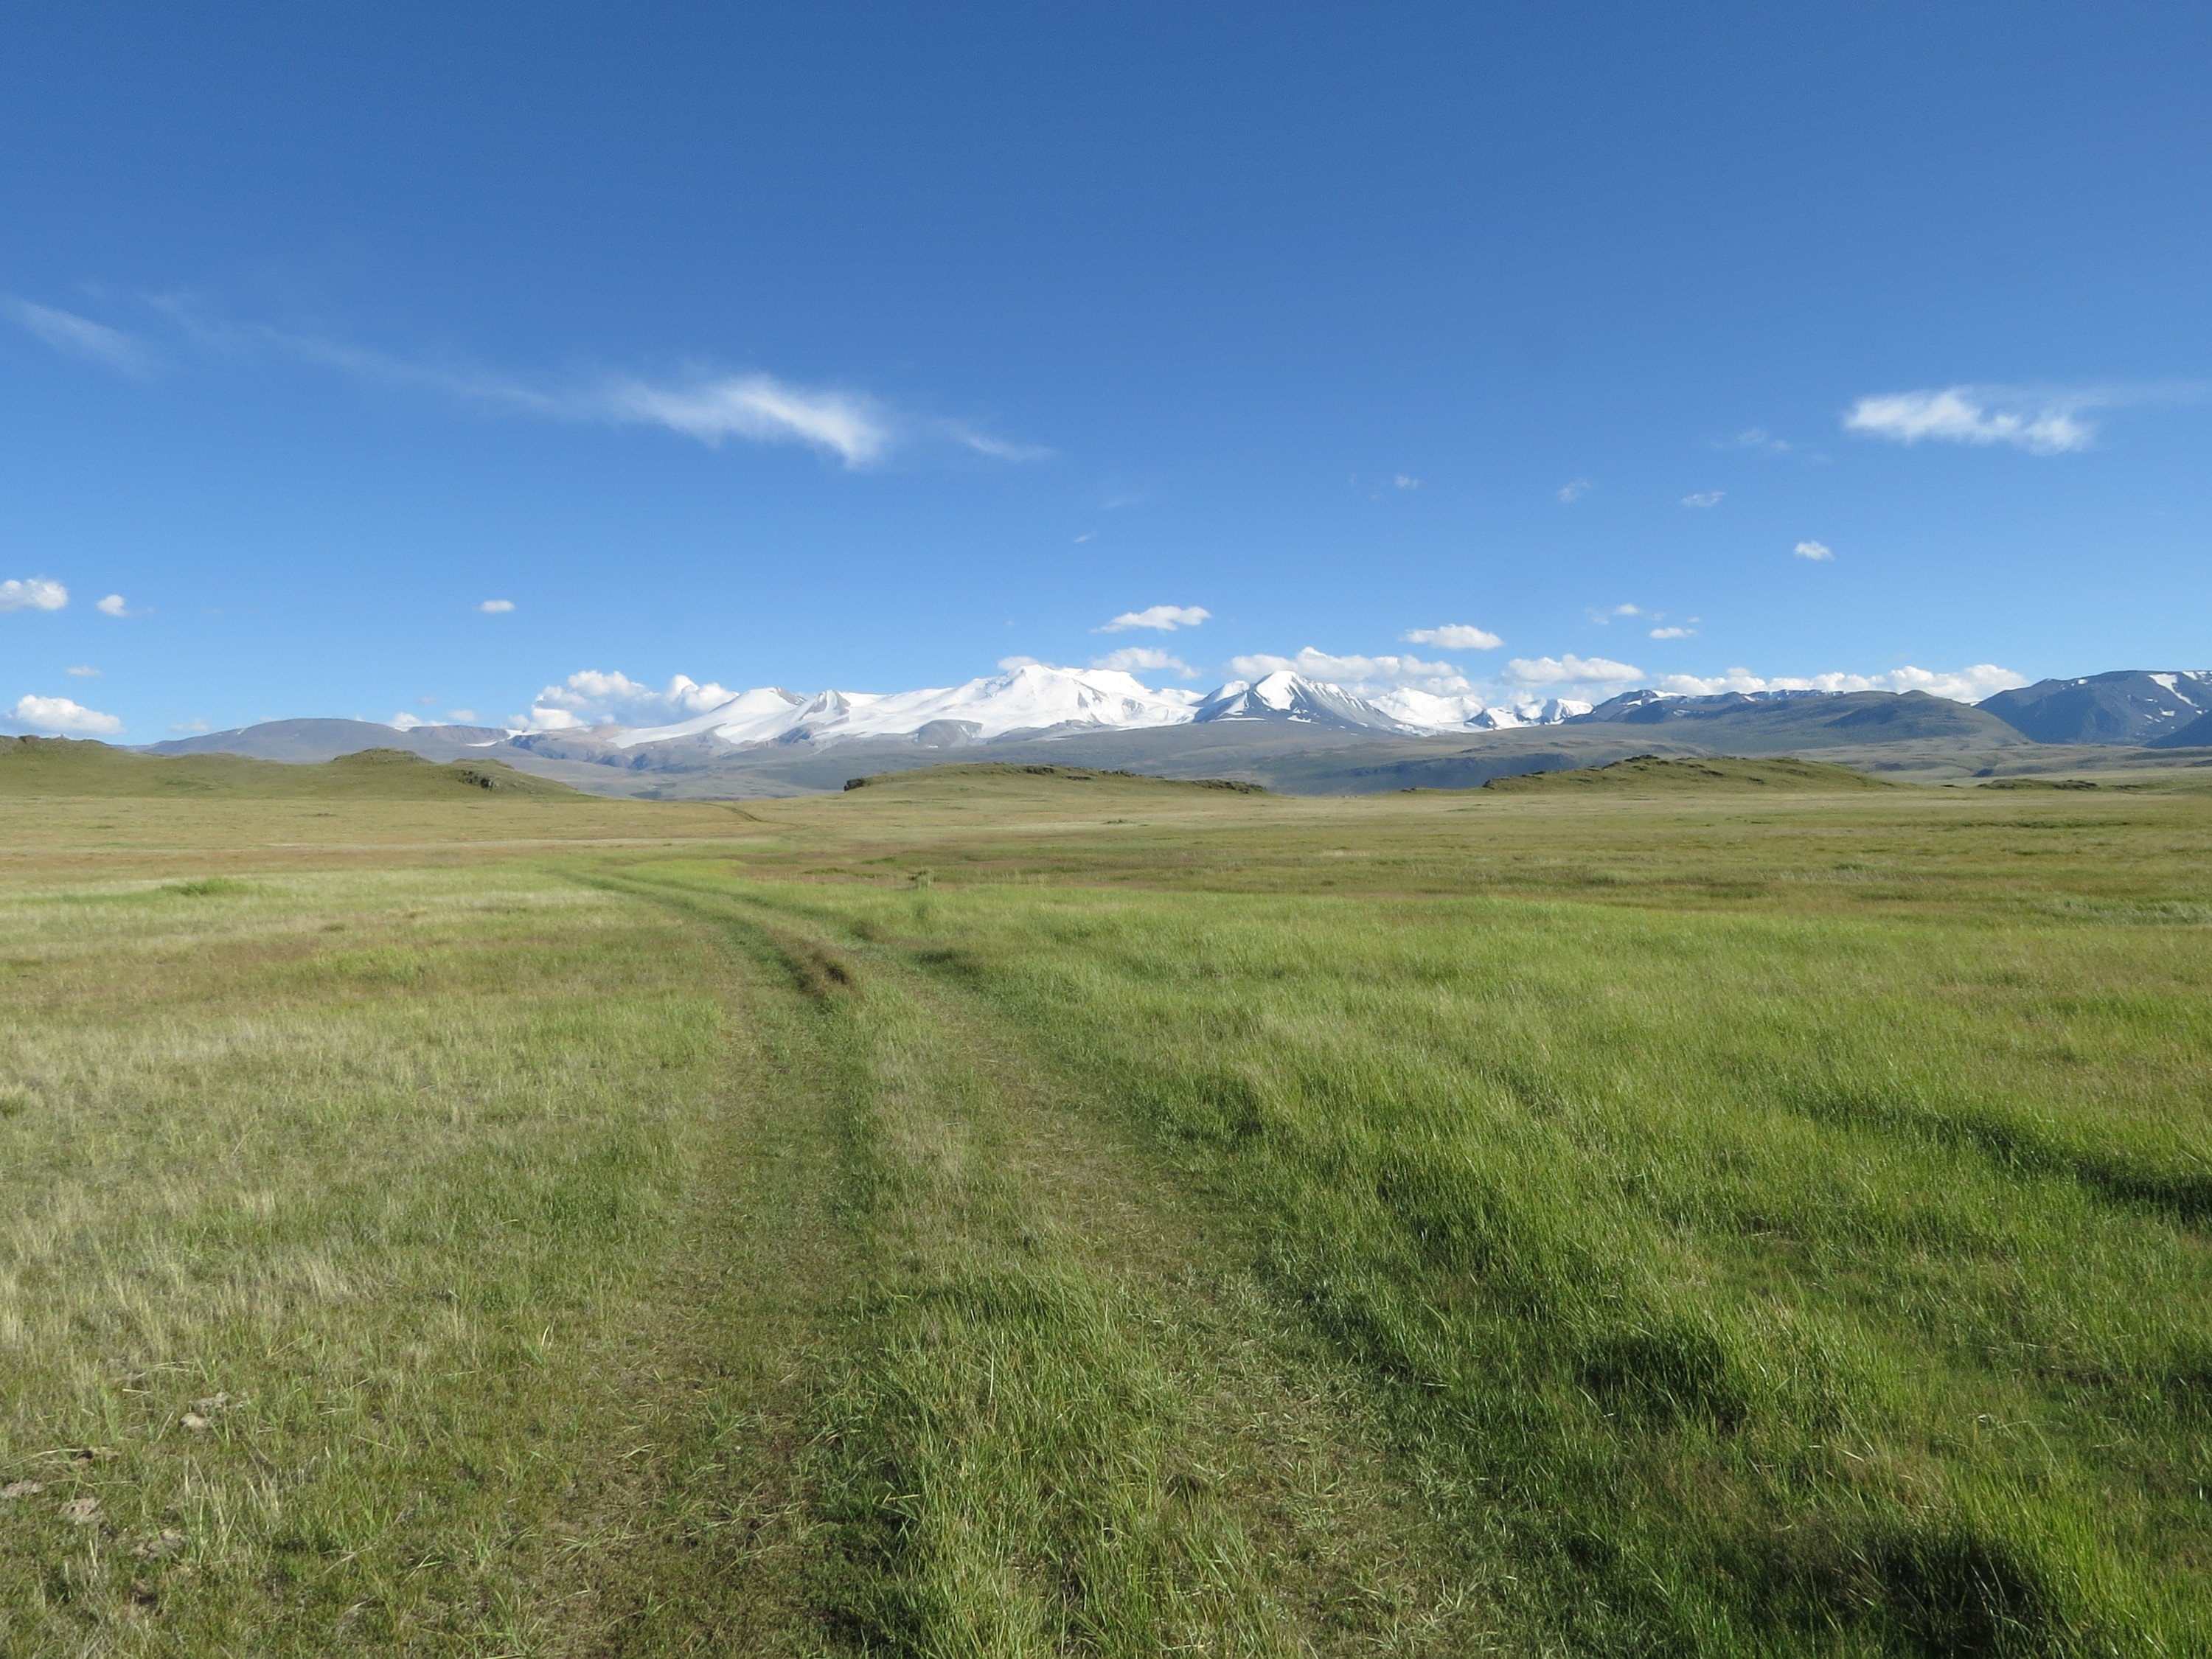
[989,1215]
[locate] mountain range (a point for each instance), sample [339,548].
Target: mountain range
[1295,733]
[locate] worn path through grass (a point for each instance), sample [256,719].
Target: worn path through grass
[1054,1415]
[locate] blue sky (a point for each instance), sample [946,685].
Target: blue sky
[866,346]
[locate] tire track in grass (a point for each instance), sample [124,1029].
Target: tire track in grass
[705,1540]
[1051,1416]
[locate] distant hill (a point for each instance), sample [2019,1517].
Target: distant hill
[67,767]
[1646,773]
[1293,736]
[2198,734]
[1770,722]
[322,740]
[2132,706]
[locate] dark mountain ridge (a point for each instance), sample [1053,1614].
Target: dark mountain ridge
[2131,706]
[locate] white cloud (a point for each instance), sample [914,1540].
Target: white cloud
[79,336]
[1966,685]
[1573,490]
[710,406]
[1141,659]
[112,605]
[35,594]
[497,607]
[462,716]
[1165,617]
[1756,438]
[1816,552]
[760,407]
[1007,665]
[999,449]
[1673,633]
[185,728]
[405,722]
[2041,423]
[1405,481]
[1569,670]
[592,697]
[1355,671]
[83,673]
[1706,498]
[62,715]
[1454,637]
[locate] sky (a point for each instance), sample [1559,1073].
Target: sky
[415,360]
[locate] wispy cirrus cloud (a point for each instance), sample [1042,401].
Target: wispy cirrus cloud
[80,337]
[707,404]
[1758,440]
[760,408]
[1165,617]
[993,447]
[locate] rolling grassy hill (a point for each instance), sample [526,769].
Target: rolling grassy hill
[66,766]
[1645,774]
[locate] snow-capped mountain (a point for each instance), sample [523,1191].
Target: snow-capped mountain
[1285,696]
[1033,699]
[1647,707]
[1428,711]
[1039,701]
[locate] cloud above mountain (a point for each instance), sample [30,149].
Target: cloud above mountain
[1454,637]
[592,696]
[1962,685]
[1165,617]
[1569,670]
[1142,659]
[1354,672]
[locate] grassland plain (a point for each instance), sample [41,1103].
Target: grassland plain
[987,1215]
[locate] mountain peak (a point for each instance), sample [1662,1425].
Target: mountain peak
[1285,696]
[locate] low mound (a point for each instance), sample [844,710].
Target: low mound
[1649,772]
[64,766]
[973,775]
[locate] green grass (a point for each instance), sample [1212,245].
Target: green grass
[985,1215]
[1646,773]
